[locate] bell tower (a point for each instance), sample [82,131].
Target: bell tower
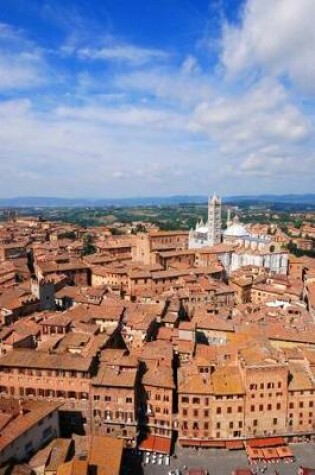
[214,220]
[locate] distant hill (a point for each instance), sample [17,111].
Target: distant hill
[44,202]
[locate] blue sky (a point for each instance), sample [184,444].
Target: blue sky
[117,98]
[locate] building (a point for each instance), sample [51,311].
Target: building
[25,427]
[246,249]
[30,374]
[114,397]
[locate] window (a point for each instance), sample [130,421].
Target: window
[261,407]
[185,399]
[196,400]
[206,413]
[195,413]
[252,408]
[279,384]
[239,409]
[255,422]
[206,425]
[291,405]
[218,426]
[240,424]
[229,410]
[261,385]
[28,447]
[301,404]
[185,412]
[47,433]
[97,397]
[311,404]
[275,421]
[219,410]
[107,398]
[278,406]
[269,407]
[128,400]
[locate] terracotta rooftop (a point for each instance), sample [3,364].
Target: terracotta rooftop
[115,377]
[34,359]
[227,380]
[33,412]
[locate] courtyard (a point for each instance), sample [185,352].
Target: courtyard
[218,462]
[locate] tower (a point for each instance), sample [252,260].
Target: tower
[214,220]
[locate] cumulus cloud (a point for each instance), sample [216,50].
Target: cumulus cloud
[161,123]
[275,37]
[183,85]
[125,115]
[262,113]
[21,64]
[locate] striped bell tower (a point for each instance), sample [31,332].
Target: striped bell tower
[214,220]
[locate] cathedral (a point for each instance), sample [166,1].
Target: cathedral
[244,248]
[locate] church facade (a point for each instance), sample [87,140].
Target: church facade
[248,249]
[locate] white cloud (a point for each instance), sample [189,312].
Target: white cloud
[168,83]
[65,154]
[165,126]
[126,53]
[21,64]
[264,113]
[125,115]
[275,37]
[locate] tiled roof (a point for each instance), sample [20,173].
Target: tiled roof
[34,359]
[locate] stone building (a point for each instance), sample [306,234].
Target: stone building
[114,398]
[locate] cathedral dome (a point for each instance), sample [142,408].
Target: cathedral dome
[202,229]
[236,229]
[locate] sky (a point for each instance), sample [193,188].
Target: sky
[125,98]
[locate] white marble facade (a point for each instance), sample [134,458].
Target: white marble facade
[248,249]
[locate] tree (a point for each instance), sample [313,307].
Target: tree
[88,246]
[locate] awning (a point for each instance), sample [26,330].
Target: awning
[254,454]
[147,444]
[154,443]
[217,444]
[270,454]
[266,442]
[162,445]
[234,444]
[284,452]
